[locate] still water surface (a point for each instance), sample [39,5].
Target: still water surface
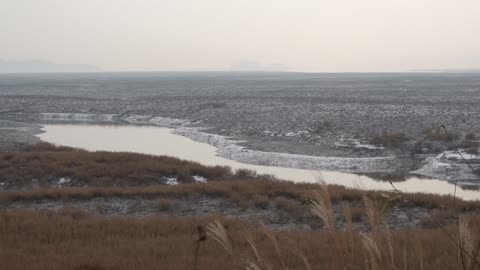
[161,141]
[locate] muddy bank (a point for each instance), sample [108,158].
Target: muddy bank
[280,213]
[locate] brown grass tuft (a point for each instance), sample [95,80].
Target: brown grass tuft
[388,139]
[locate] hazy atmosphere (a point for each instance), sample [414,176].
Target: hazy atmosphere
[243,135]
[311,36]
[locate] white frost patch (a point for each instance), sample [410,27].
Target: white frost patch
[285,134]
[229,149]
[171,181]
[157,121]
[138,119]
[168,122]
[199,179]
[64,180]
[436,169]
[21,129]
[306,162]
[447,165]
[358,144]
[340,144]
[295,134]
[203,137]
[77,117]
[456,155]
[271,133]
[433,166]
[112,118]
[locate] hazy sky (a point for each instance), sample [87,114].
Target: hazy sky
[303,35]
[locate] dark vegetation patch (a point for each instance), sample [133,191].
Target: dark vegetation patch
[437,133]
[470,143]
[387,177]
[388,139]
[471,137]
[46,163]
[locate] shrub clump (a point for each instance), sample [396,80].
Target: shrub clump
[470,137]
[470,144]
[165,204]
[439,134]
[245,173]
[388,139]
[261,201]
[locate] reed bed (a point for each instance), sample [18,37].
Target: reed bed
[378,248]
[73,240]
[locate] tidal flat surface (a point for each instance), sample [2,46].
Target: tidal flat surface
[325,115]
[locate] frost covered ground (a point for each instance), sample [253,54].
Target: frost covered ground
[451,166]
[274,217]
[323,115]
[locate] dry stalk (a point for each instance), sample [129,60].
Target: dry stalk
[466,239]
[260,260]
[216,230]
[372,212]
[274,241]
[321,206]
[347,212]
[373,250]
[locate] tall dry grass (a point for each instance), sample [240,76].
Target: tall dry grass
[380,248]
[71,239]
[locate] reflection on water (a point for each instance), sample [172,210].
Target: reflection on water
[161,141]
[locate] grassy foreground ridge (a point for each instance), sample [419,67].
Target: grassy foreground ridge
[335,227]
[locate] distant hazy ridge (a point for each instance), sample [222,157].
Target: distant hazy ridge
[40,66]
